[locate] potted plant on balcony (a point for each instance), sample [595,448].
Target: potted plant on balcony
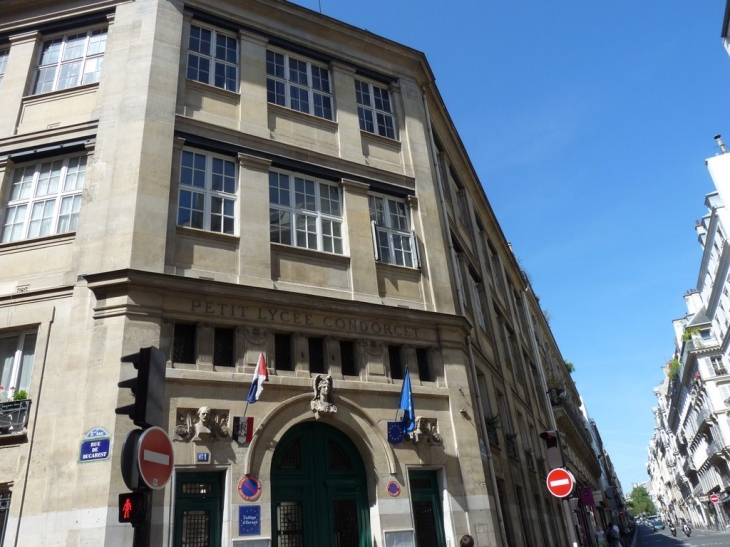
[14,410]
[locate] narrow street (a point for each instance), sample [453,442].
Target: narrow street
[663,538]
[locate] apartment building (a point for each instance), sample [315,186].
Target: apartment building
[692,440]
[234,180]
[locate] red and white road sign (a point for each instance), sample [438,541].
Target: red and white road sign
[560,482]
[155,458]
[714,498]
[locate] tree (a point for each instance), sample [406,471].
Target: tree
[640,502]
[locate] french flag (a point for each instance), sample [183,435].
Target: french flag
[259,377]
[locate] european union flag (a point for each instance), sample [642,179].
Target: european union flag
[406,405]
[395,433]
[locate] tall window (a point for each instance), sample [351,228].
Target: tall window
[396,362]
[183,349]
[305,213]
[44,198]
[213,58]
[425,372]
[348,358]
[394,242]
[375,109]
[223,347]
[207,193]
[3,64]
[17,352]
[70,60]
[282,352]
[298,84]
[317,360]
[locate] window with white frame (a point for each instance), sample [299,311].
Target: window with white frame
[70,60]
[44,198]
[213,58]
[3,63]
[375,109]
[305,212]
[207,195]
[298,84]
[395,243]
[17,351]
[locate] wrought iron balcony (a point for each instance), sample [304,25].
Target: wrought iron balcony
[703,416]
[688,465]
[697,344]
[714,447]
[14,416]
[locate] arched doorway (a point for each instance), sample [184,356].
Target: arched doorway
[319,491]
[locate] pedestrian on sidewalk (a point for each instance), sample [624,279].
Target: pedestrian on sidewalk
[612,536]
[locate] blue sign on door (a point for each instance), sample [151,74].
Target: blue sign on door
[249,520]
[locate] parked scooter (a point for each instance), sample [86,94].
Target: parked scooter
[686,529]
[673,529]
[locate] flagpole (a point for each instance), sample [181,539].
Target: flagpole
[245,409]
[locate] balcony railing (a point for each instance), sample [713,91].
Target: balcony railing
[714,447]
[576,419]
[688,465]
[14,416]
[697,344]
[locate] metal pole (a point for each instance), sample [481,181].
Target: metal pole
[143,530]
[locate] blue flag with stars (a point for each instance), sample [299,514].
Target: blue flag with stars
[406,405]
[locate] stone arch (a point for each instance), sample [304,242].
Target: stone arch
[351,419]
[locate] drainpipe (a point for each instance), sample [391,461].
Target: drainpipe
[567,513]
[460,305]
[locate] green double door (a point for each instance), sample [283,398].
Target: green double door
[319,492]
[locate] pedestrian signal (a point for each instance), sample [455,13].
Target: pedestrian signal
[132,507]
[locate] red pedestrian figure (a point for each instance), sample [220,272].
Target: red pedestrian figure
[127,508]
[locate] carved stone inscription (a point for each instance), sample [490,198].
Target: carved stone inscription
[273,315]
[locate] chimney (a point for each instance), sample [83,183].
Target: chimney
[721,144]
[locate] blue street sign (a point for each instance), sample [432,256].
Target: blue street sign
[96,446]
[249,520]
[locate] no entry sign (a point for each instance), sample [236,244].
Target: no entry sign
[154,454]
[714,498]
[560,482]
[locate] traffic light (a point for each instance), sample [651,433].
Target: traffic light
[148,387]
[133,507]
[555,456]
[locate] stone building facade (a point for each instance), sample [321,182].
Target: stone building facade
[232,180]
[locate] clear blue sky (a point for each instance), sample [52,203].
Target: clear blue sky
[588,123]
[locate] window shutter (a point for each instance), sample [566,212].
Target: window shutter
[375,240]
[416,250]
